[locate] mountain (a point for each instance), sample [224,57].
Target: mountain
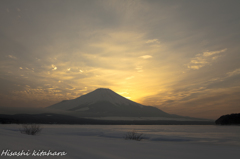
[104,102]
[230,119]
[98,96]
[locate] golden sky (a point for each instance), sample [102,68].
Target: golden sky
[180,56]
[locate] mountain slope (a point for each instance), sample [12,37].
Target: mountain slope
[99,95]
[104,102]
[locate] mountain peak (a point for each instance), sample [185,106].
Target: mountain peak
[96,96]
[106,94]
[105,102]
[103,89]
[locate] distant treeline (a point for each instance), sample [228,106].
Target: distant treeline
[230,119]
[65,119]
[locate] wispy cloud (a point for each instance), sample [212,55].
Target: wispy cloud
[210,53]
[138,47]
[233,73]
[12,57]
[139,69]
[146,57]
[131,77]
[201,60]
[152,41]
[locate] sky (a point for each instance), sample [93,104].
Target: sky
[180,56]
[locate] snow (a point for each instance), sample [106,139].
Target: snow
[100,94]
[106,142]
[104,102]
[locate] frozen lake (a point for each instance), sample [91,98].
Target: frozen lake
[211,134]
[106,141]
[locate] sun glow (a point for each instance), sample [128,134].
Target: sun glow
[151,52]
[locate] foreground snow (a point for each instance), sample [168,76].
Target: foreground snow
[106,142]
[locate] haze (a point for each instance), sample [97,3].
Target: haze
[180,56]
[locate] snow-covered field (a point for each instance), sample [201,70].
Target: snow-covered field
[106,142]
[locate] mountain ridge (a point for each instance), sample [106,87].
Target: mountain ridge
[104,102]
[98,95]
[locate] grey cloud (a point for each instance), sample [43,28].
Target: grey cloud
[37,34]
[225,83]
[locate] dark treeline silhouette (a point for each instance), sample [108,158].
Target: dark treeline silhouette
[230,119]
[65,119]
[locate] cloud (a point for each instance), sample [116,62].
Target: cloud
[54,67]
[195,67]
[146,57]
[210,53]
[201,60]
[194,100]
[12,57]
[233,73]
[131,77]
[139,69]
[152,41]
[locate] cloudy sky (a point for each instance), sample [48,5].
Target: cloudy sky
[181,56]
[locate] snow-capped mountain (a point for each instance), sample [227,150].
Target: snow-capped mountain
[104,102]
[99,95]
